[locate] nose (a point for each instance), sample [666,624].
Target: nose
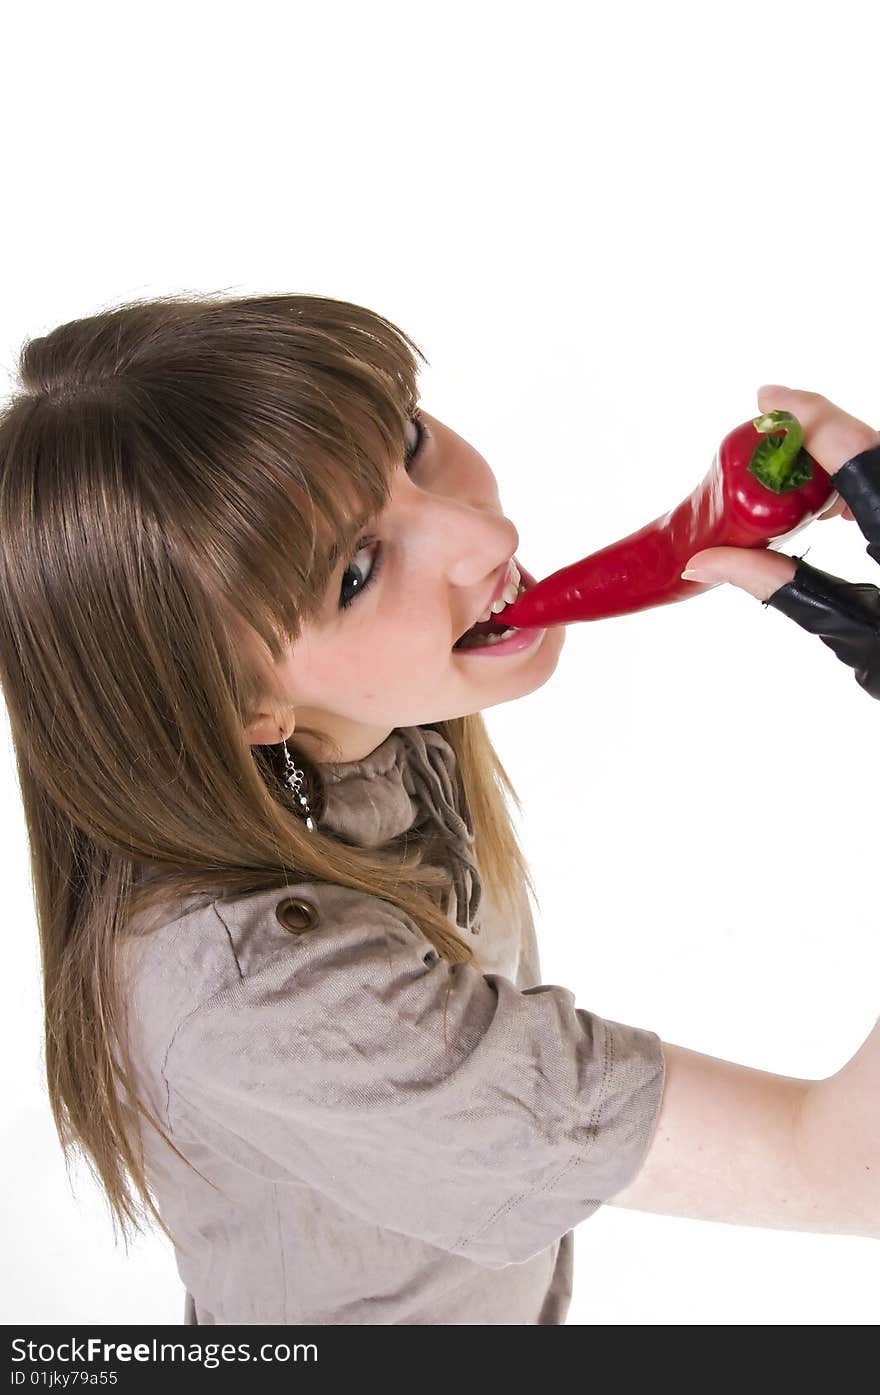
[482,544]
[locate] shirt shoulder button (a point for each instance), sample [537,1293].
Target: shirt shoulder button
[296,915]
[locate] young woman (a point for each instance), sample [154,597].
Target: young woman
[293,1003]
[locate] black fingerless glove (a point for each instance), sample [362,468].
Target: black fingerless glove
[844,614]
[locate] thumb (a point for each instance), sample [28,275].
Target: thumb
[757,570]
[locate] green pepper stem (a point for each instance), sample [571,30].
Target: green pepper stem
[780,464]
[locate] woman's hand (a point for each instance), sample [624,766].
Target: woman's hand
[845,615]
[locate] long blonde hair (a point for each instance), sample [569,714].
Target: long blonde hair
[173,473]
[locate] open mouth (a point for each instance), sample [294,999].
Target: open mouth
[493,630]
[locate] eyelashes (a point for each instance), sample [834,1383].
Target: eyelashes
[412,454]
[371,575]
[423,436]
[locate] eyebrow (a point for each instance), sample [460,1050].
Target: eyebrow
[343,545]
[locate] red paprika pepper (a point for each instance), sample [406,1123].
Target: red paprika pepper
[762,487]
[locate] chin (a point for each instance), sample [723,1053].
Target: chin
[543,662]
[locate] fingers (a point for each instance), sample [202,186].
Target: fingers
[831,435]
[858,481]
[758,570]
[832,512]
[838,509]
[846,448]
[844,614]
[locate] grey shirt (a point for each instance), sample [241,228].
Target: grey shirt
[383,1137]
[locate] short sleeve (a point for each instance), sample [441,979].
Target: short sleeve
[422,1096]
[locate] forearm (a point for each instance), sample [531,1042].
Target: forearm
[838,1141]
[724,1147]
[747,1147]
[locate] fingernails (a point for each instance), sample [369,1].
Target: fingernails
[695,570]
[773,387]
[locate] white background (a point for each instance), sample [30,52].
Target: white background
[606,225]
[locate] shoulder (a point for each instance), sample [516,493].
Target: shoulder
[173,965]
[313,923]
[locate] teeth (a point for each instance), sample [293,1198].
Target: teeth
[512,589]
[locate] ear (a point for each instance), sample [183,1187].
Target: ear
[269,728]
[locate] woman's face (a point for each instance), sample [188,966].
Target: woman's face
[431,565]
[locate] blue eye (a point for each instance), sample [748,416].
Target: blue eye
[365,543]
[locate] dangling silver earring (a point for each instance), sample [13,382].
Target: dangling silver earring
[294,778]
